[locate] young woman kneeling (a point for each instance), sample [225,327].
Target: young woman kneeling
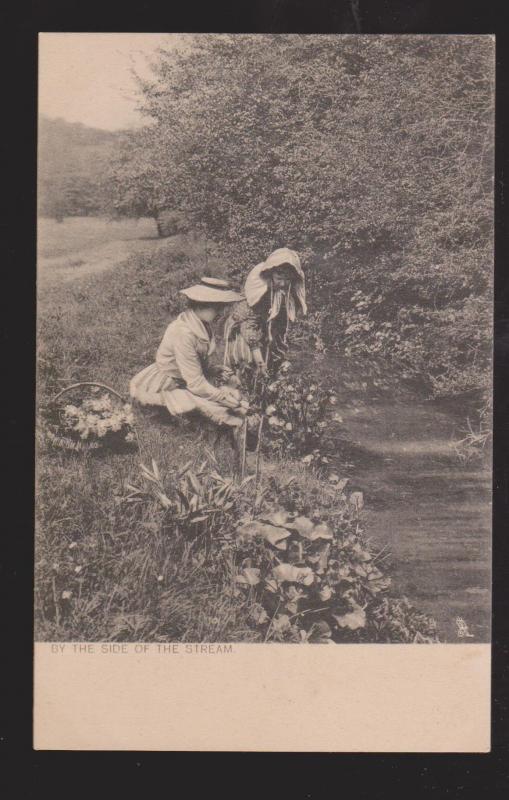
[180,377]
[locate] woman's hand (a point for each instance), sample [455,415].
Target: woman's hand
[230,397]
[233,399]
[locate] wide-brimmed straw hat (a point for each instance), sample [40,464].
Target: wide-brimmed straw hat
[211,290]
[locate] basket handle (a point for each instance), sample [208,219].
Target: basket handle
[88,383]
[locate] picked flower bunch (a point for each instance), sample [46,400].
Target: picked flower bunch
[92,423]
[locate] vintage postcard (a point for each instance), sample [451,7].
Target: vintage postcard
[264,392]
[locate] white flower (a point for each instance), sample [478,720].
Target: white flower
[78,569]
[73,545]
[337,418]
[357,500]
[66,594]
[310,397]
[270,410]
[307,459]
[288,426]
[102,427]
[160,578]
[333,400]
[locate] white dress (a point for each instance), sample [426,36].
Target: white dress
[180,361]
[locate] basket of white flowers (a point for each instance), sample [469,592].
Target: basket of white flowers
[89,416]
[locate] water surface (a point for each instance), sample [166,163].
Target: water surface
[432,512]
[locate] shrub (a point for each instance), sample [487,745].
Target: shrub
[311,577]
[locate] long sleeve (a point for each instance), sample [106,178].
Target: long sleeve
[190,368]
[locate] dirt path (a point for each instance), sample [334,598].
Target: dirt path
[83,246]
[92,260]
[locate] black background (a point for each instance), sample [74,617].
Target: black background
[269,775]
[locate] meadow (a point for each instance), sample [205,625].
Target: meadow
[156,541]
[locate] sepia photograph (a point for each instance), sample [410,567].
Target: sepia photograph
[264,339]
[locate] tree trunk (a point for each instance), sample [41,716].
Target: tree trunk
[169,222]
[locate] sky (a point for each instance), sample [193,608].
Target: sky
[86,77]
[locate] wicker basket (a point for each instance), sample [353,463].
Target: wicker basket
[59,434]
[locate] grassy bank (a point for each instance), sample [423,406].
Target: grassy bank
[120,556]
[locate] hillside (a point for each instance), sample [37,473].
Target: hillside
[72,160]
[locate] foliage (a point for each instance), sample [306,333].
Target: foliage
[116,562]
[279,577]
[477,437]
[372,156]
[72,162]
[313,579]
[298,413]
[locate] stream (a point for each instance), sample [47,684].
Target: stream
[431,512]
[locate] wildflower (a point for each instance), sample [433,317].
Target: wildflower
[310,397]
[337,418]
[307,459]
[73,545]
[357,500]
[270,410]
[333,400]
[78,569]
[55,566]
[160,578]
[288,426]
[66,594]
[325,593]
[102,427]
[281,623]
[274,421]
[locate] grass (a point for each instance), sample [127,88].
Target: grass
[106,328]
[116,566]
[56,239]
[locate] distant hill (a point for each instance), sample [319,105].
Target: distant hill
[72,163]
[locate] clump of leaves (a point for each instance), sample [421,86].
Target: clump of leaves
[298,413]
[314,579]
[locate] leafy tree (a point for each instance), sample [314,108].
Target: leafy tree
[73,161]
[372,156]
